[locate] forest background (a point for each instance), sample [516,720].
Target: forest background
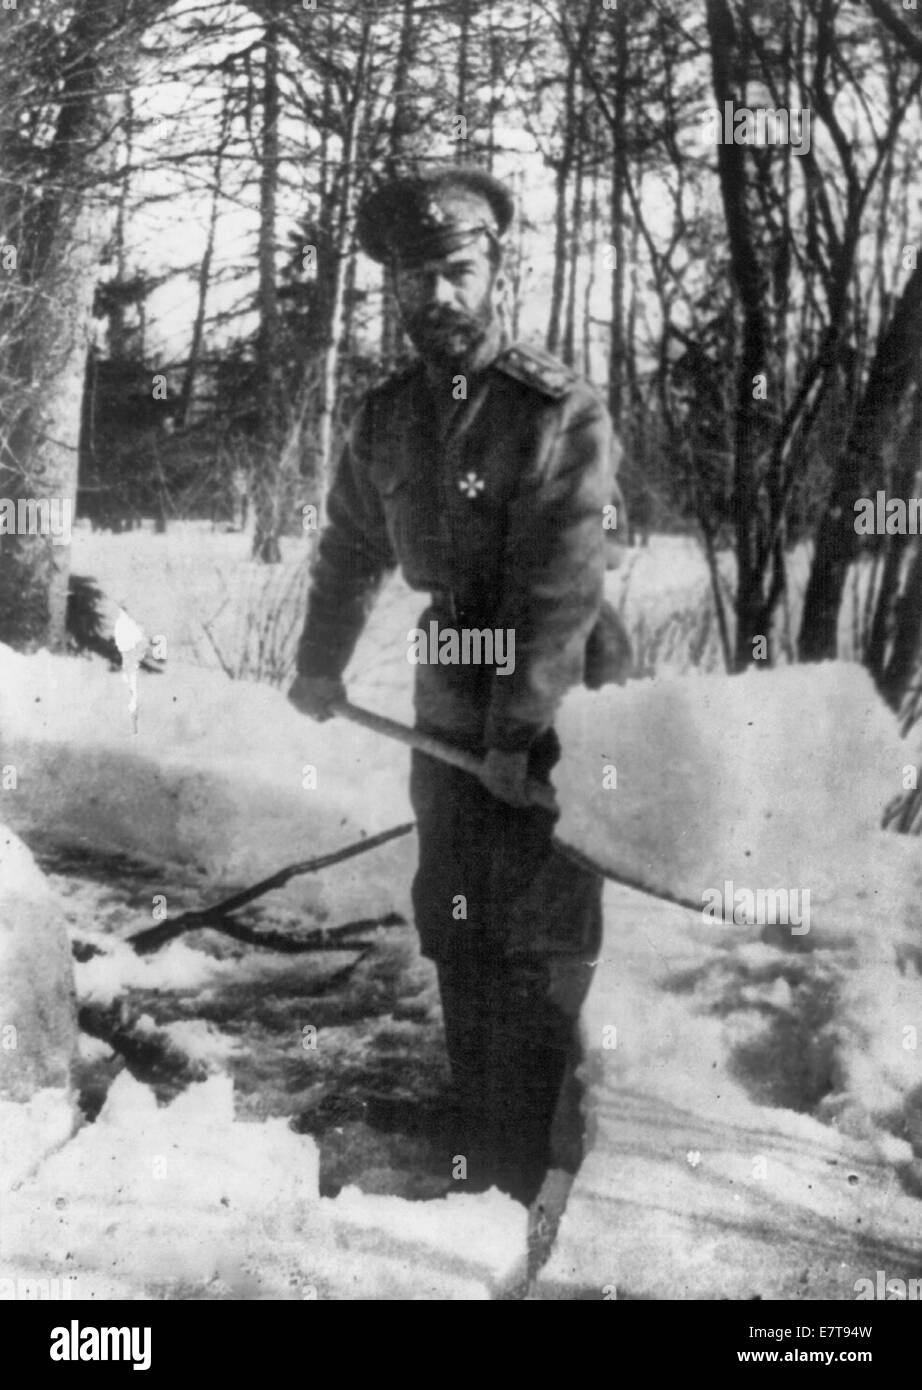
[186,322]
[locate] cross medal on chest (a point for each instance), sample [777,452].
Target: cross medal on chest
[471,485]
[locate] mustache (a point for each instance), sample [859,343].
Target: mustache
[440,319]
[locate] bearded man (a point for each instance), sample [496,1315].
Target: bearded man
[486,471]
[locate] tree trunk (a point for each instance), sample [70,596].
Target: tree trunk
[561,186]
[616,362]
[344,235]
[464,36]
[401,126]
[905,651]
[753,612]
[887,608]
[589,286]
[894,368]
[269,482]
[119,343]
[204,280]
[59,257]
[568,346]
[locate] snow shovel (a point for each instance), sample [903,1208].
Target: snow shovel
[540,792]
[217,916]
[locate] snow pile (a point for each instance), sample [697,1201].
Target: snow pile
[463,1246]
[773,782]
[184,1200]
[38,1026]
[31,1129]
[223,777]
[20,876]
[763,780]
[751,1090]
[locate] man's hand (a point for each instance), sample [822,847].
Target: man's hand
[505,776]
[313,695]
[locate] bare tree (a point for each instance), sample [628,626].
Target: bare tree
[60,73]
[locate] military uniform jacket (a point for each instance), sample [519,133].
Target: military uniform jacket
[495,505]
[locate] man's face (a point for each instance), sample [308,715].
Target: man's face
[447,304]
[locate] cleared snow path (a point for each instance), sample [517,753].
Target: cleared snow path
[700,1180]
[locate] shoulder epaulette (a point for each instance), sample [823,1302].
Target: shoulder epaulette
[535,367]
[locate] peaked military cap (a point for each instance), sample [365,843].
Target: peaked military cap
[416,219]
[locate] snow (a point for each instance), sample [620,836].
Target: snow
[195,1039]
[101,979]
[168,793]
[764,1084]
[29,1130]
[707,1176]
[185,1201]
[213,782]
[38,1025]
[20,876]
[198,588]
[173,1200]
[38,1032]
[753,1094]
[771,779]
[763,780]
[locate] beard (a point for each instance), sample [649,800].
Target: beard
[448,335]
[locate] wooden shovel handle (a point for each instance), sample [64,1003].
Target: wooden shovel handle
[540,793]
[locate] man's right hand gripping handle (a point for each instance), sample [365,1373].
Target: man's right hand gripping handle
[313,695]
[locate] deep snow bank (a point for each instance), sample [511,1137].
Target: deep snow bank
[224,777]
[773,781]
[38,1024]
[769,780]
[185,1201]
[748,1102]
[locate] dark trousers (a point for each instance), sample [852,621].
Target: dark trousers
[513,927]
